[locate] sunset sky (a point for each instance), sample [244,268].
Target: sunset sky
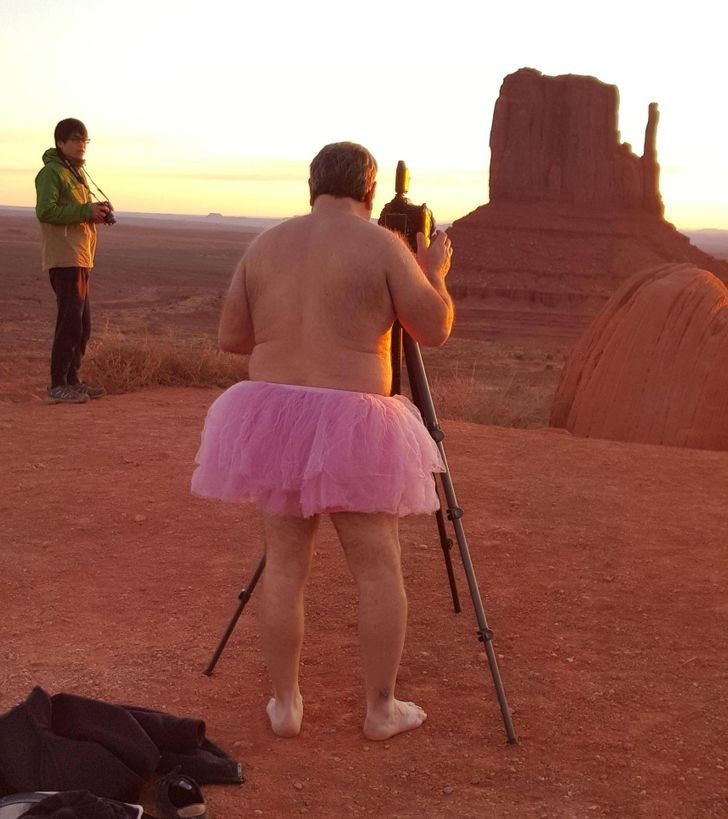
[219,106]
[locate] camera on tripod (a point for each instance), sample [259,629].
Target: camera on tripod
[403,217]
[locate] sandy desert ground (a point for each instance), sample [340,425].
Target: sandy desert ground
[602,566]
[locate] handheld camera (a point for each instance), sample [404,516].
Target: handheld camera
[110,218]
[403,217]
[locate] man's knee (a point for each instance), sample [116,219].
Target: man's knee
[370,542]
[289,544]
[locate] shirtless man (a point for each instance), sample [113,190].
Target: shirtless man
[315,430]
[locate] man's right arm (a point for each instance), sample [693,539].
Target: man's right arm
[417,287]
[48,209]
[235,333]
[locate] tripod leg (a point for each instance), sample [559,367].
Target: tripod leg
[423,399]
[419,399]
[485,635]
[446,544]
[243,597]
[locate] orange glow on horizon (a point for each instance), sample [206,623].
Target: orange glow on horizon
[233,130]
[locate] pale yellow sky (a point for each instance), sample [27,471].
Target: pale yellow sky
[218,106]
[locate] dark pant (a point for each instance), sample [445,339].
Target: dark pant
[73,324]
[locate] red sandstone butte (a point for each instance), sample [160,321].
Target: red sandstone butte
[651,367]
[573,212]
[555,139]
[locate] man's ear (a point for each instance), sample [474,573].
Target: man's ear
[310,193]
[369,196]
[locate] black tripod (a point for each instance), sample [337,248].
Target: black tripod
[422,398]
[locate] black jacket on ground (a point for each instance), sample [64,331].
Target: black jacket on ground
[65,743]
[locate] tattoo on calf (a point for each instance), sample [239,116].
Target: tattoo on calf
[384,693]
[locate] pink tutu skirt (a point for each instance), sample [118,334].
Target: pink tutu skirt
[301,451]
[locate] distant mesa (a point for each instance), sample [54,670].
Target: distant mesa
[215,216]
[573,211]
[651,367]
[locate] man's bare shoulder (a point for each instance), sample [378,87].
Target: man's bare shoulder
[361,232]
[274,234]
[394,244]
[383,238]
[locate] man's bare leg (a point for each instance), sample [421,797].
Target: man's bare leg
[371,545]
[288,552]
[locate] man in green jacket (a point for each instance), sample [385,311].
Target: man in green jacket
[68,221]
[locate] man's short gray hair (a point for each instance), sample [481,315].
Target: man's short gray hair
[343,169]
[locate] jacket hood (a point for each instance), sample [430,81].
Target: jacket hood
[51,155]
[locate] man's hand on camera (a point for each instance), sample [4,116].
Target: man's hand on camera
[435,259]
[99,211]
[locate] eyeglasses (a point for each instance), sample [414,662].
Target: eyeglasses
[84,140]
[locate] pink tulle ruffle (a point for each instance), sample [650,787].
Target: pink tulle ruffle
[305,450]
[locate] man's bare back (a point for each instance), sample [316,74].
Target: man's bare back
[314,299]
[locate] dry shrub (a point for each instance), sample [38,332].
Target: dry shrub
[512,396]
[517,401]
[122,364]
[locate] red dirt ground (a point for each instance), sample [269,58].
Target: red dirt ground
[602,566]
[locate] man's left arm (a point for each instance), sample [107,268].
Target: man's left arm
[235,333]
[48,207]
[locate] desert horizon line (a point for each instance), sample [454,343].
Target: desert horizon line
[271,219]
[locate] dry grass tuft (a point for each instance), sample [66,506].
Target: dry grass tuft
[519,399]
[494,385]
[122,364]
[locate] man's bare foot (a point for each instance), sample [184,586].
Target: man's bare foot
[396,718]
[285,720]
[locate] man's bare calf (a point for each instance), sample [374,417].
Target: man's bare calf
[371,546]
[289,548]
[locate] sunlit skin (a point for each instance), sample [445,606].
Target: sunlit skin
[74,148]
[314,300]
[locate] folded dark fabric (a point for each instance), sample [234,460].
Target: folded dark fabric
[168,733]
[33,757]
[183,744]
[110,726]
[69,743]
[80,805]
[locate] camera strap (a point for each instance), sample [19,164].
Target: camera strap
[106,198]
[82,177]
[78,176]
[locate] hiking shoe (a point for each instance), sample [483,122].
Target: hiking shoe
[180,797]
[65,395]
[92,392]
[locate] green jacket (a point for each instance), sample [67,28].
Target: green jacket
[63,206]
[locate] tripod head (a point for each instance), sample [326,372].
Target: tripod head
[403,217]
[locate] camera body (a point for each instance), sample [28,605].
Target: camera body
[402,216]
[110,218]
